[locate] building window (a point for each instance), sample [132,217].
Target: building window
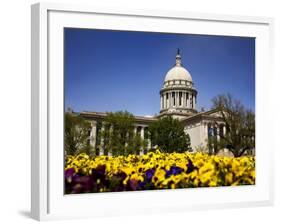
[221,130]
[191,101]
[186,98]
[167,100]
[180,97]
[174,98]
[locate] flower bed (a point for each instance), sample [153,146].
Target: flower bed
[155,171]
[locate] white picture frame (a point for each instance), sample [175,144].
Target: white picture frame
[48,201]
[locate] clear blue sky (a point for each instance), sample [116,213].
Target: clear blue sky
[118,70]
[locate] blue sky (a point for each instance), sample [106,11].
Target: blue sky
[119,70]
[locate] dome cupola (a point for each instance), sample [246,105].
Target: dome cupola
[178,94]
[178,72]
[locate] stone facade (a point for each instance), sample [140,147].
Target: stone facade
[95,118]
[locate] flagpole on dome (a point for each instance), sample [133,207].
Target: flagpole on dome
[178,58]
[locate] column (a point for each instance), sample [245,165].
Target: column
[175,98]
[184,99]
[161,101]
[187,101]
[165,100]
[213,134]
[142,137]
[148,144]
[102,140]
[224,133]
[110,131]
[206,136]
[170,99]
[210,134]
[93,135]
[193,101]
[218,133]
[178,98]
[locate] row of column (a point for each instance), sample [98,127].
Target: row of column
[177,99]
[215,130]
[141,132]
[93,137]
[214,127]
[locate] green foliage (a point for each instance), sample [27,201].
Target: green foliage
[118,134]
[168,134]
[240,126]
[76,134]
[135,144]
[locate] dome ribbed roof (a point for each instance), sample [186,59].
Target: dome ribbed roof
[178,72]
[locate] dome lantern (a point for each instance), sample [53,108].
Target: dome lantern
[178,58]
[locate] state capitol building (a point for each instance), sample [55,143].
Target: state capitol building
[178,98]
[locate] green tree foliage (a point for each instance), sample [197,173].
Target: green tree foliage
[135,144]
[118,134]
[76,134]
[239,123]
[168,134]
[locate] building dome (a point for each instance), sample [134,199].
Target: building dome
[178,72]
[178,94]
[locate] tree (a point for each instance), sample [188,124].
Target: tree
[76,134]
[240,125]
[118,134]
[168,134]
[135,144]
